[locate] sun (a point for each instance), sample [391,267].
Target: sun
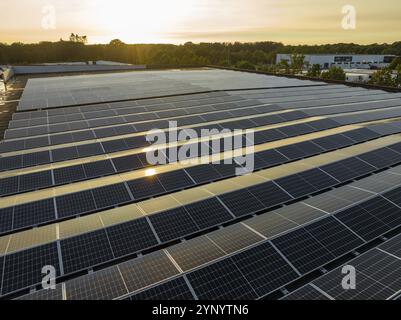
[141,21]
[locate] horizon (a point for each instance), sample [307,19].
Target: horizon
[291,22]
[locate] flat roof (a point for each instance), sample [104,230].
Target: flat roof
[321,179]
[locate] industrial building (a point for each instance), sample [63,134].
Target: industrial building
[78,195]
[345,61]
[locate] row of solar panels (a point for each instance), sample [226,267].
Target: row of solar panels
[191,120]
[312,97]
[378,272]
[48,99]
[338,101]
[250,108]
[252,273]
[131,107]
[134,142]
[85,202]
[91,249]
[95,118]
[142,272]
[61,92]
[110,119]
[30,115]
[365,106]
[95,169]
[131,119]
[204,110]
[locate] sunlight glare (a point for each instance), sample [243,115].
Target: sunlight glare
[141,21]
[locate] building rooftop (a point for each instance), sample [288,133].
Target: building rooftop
[322,189]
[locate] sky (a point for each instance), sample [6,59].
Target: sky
[179,21]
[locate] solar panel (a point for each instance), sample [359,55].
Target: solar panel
[392,246]
[264,268]
[127,163]
[136,142]
[272,157]
[33,213]
[9,185]
[130,237]
[383,210]
[69,174]
[361,134]
[195,252]
[147,270]
[394,196]
[269,194]
[146,187]
[87,150]
[303,250]
[295,186]
[35,180]
[176,289]
[317,244]
[359,167]
[241,202]
[6,219]
[339,171]
[64,154]
[110,196]
[207,213]
[334,236]
[293,152]
[75,204]
[105,284]
[24,269]
[376,278]
[85,251]
[114,145]
[175,180]
[45,295]
[83,135]
[36,158]
[203,173]
[36,142]
[307,292]
[221,281]
[318,179]
[9,163]
[61,138]
[173,224]
[381,158]
[98,168]
[225,170]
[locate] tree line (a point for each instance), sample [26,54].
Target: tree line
[252,56]
[257,54]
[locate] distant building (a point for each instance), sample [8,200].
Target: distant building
[345,61]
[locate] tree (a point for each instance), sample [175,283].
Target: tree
[259,57]
[383,78]
[395,63]
[283,64]
[397,79]
[297,62]
[314,71]
[78,39]
[116,43]
[246,65]
[334,73]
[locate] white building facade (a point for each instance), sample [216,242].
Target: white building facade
[344,61]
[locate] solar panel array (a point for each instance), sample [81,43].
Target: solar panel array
[77,192]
